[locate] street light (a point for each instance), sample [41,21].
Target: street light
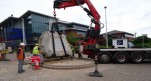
[135,35]
[106,27]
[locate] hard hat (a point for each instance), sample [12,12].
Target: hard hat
[22,44]
[36,44]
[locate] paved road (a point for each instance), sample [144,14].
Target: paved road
[111,72]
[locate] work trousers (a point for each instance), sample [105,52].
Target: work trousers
[41,57]
[72,53]
[20,65]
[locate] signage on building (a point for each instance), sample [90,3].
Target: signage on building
[120,43]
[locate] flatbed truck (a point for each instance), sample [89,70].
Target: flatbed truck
[123,55]
[123,52]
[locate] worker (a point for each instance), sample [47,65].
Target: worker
[37,52]
[72,48]
[20,57]
[2,57]
[79,50]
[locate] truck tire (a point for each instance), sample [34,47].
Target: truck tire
[121,57]
[104,57]
[137,57]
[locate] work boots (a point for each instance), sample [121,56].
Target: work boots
[21,71]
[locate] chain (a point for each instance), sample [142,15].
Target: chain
[54,14]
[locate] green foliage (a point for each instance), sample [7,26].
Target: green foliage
[71,38]
[104,47]
[139,41]
[110,41]
[146,45]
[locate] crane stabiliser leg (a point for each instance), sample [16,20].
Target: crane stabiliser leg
[96,73]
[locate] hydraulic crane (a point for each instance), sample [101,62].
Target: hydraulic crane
[89,47]
[92,33]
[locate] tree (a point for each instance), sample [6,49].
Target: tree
[71,38]
[142,41]
[110,41]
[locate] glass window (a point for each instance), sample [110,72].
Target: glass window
[39,24]
[79,27]
[82,33]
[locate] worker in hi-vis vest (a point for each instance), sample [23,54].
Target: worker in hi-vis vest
[37,52]
[20,57]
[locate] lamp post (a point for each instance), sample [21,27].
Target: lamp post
[106,27]
[135,35]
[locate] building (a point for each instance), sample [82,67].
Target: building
[73,27]
[115,34]
[29,26]
[78,30]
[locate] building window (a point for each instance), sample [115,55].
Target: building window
[39,24]
[80,27]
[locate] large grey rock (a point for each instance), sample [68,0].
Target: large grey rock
[46,44]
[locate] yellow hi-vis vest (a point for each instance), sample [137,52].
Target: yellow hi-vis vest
[35,50]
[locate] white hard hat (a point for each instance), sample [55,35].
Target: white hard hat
[22,44]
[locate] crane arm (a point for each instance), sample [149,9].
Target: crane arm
[92,34]
[92,12]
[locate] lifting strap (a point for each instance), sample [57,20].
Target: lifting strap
[52,31]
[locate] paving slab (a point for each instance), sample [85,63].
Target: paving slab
[111,72]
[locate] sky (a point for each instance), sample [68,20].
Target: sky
[133,16]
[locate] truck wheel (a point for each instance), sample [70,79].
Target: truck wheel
[104,57]
[121,57]
[137,57]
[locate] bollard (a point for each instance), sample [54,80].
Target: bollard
[35,62]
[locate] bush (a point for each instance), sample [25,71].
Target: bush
[140,45]
[138,42]
[104,47]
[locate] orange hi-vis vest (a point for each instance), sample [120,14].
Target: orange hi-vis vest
[20,56]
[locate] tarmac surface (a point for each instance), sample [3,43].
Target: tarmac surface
[111,72]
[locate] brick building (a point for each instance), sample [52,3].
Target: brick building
[115,34]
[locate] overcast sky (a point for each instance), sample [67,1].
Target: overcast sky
[133,16]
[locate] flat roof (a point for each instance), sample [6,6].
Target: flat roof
[117,32]
[29,12]
[26,14]
[7,21]
[71,24]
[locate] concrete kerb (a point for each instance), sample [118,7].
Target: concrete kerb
[87,63]
[65,66]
